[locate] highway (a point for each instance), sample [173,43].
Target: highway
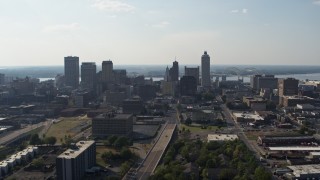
[19,133]
[153,158]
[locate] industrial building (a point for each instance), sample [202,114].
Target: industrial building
[282,141]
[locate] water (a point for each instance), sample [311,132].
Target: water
[301,77]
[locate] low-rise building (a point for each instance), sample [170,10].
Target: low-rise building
[255,103]
[289,101]
[112,124]
[281,141]
[303,172]
[222,137]
[246,117]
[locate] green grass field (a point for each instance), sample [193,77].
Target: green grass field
[63,127]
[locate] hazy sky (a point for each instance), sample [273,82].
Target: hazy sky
[42,32]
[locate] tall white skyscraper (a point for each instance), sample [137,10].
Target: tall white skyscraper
[205,70]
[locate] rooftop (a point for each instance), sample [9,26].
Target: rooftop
[222,137]
[114,116]
[248,116]
[289,137]
[73,153]
[295,148]
[305,169]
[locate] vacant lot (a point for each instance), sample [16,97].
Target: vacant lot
[65,127]
[195,129]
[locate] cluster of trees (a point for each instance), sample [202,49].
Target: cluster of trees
[35,140]
[125,156]
[118,141]
[232,160]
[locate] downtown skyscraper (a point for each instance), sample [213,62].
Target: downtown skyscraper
[205,70]
[88,75]
[71,71]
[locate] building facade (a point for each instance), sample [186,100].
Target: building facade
[71,71]
[205,70]
[188,86]
[112,124]
[73,163]
[288,87]
[258,82]
[107,71]
[174,71]
[192,71]
[88,75]
[2,79]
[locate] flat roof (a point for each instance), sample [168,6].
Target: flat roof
[222,137]
[295,148]
[73,153]
[248,116]
[116,116]
[315,153]
[286,137]
[305,169]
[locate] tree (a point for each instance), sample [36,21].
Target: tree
[211,163]
[112,139]
[50,140]
[188,121]
[124,168]
[125,153]
[38,162]
[208,96]
[121,142]
[107,156]
[226,174]
[34,140]
[261,174]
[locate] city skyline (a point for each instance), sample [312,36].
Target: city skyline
[131,32]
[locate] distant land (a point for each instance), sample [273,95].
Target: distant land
[159,70]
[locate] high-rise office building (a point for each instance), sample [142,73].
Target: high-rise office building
[288,87]
[107,71]
[194,71]
[73,163]
[167,75]
[258,82]
[88,75]
[120,76]
[205,70]
[71,71]
[188,86]
[174,71]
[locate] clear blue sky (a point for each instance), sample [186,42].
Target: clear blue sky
[42,32]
